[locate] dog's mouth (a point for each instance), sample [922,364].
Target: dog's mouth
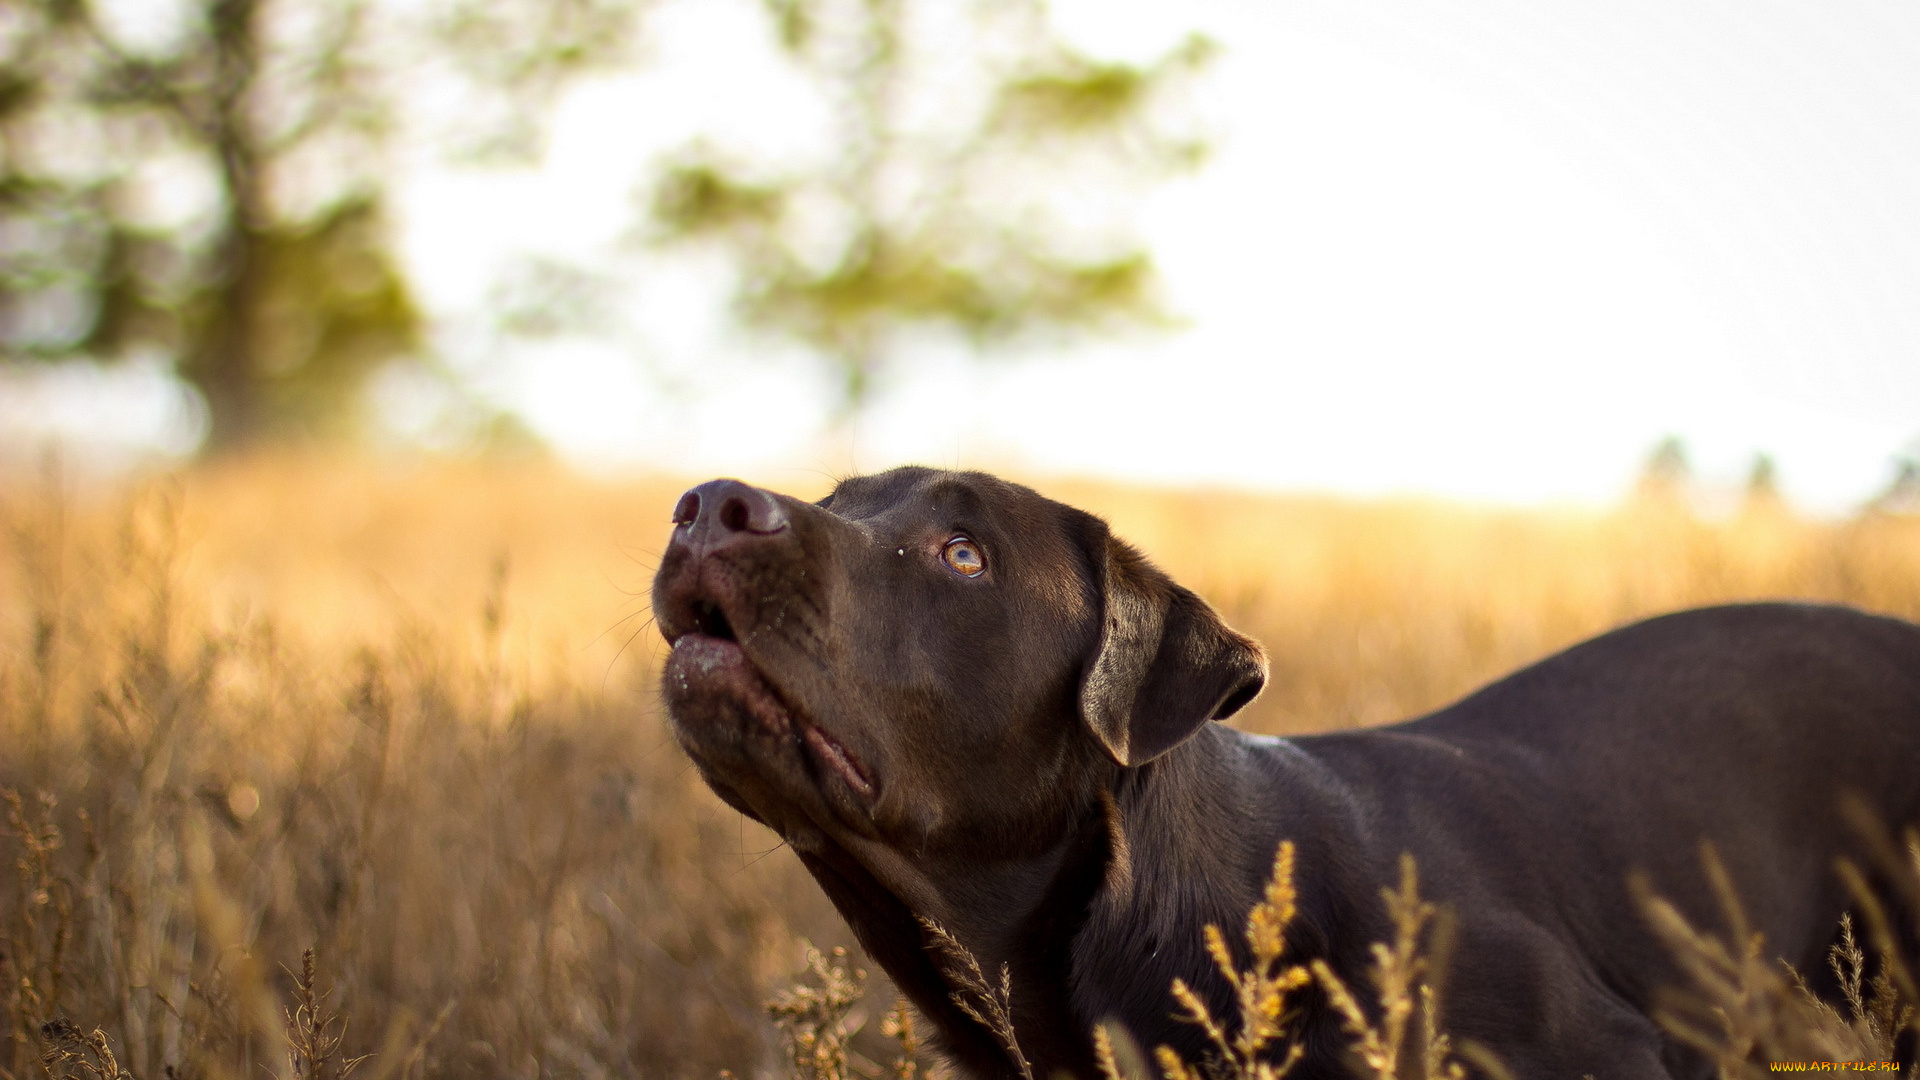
[709,666]
[711,621]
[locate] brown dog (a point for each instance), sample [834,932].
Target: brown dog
[960,701]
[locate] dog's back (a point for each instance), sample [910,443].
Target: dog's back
[1744,727]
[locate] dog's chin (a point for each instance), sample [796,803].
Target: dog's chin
[731,717]
[712,687]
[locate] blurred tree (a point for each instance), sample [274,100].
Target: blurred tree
[515,57]
[1763,497]
[1665,485]
[1667,477]
[1763,480]
[1902,493]
[974,178]
[202,181]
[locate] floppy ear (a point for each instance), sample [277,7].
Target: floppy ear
[1165,663]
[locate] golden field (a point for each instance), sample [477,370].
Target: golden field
[401,713]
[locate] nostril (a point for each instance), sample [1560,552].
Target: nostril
[720,512]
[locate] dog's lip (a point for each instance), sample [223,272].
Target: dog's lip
[720,667]
[732,672]
[838,759]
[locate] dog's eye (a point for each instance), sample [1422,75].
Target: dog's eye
[965,557]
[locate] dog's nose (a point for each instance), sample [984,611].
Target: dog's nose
[720,512]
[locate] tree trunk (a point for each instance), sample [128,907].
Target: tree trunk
[227,371]
[226,375]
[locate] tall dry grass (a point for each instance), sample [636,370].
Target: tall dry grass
[402,715]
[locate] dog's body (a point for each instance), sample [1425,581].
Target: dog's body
[1527,804]
[961,702]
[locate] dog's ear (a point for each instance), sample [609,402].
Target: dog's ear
[1165,663]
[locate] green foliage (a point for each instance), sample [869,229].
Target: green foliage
[518,56]
[944,195]
[333,308]
[1069,94]
[276,293]
[697,197]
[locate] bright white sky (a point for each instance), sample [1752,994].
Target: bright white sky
[1490,249]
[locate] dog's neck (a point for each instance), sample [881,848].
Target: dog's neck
[945,934]
[1098,927]
[1197,831]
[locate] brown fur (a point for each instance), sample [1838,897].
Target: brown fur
[1025,758]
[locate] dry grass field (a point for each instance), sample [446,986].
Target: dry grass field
[402,715]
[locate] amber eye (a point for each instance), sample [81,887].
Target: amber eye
[965,557]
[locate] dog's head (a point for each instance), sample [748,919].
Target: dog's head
[927,660]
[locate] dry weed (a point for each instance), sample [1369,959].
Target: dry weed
[486,833]
[813,1018]
[69,1052]
[1260,991]
[989,1004]
[1405,1043]
[1742,1008]
[393,712]
[1401,979]
[315,1032]
[818,1020]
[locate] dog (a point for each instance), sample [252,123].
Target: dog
[967,706]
